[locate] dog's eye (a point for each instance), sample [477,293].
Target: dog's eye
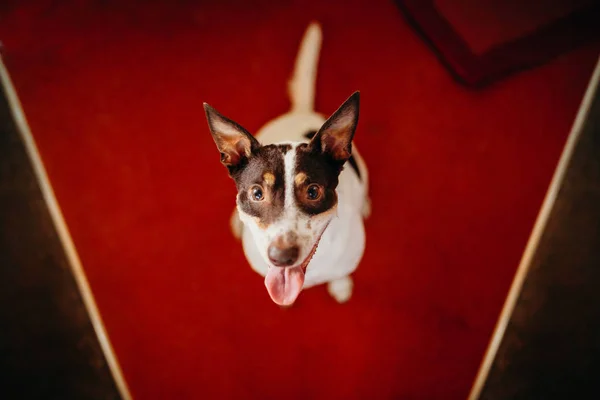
[256,193]
[313,192]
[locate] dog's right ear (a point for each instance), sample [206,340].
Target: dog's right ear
[335,136]
[234,142]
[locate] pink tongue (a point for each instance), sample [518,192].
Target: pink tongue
[284,284]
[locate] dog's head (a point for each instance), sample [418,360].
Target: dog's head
[286,191]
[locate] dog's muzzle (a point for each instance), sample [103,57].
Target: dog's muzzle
[284,250]
[282,255]
[285,282]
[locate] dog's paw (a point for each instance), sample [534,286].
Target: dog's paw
[366,209]
[236,225]
[341,289]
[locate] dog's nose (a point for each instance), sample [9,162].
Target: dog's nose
[283,256]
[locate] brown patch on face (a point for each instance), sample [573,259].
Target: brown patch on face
[269,179]
[316,168]
[300,178]
[265,168]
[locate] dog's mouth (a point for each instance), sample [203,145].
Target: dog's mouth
[284,284]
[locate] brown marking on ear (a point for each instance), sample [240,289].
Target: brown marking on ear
[335,136]
[233,150]
[234,142]
[335,144]
[269,178]
[300,178]
[351,161]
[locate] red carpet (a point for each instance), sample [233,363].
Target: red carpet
[113,95]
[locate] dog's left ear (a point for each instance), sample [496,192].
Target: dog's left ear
[335,136]
[234,142]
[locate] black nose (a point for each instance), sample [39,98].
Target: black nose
[283,256]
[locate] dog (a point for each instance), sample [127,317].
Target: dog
[302,188]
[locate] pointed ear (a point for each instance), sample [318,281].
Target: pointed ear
[335,136]
[234,142]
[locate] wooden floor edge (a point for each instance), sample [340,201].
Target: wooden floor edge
[535,236]
[62,230]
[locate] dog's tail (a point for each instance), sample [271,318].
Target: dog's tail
[302,85]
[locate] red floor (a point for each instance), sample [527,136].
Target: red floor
[113,96]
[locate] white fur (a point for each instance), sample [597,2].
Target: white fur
[301,87]
[343,241]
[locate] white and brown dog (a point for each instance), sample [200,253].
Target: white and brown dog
[293,190]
